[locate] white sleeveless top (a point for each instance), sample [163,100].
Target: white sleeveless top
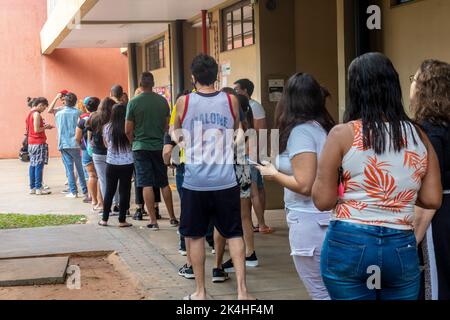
[381,190]
[208,124]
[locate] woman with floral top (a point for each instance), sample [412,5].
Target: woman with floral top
[388,166]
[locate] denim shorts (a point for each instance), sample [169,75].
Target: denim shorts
[86,159]
[366,262]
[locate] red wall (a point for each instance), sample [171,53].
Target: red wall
[25,72]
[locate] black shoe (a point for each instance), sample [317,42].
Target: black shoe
[115,211]
[252,261]
[138,215]
[186,272]
[153,227]
[228,266]
[174,223]
[219,276]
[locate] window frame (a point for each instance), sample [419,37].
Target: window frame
[224,32]
[397,3]
[151,47]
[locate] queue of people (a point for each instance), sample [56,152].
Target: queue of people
[369,195]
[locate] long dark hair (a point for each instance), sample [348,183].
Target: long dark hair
[101,117]
[119,139]
[303,100]
[244,104]
[375,97]
[431,100]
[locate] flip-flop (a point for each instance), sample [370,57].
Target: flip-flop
[102,224]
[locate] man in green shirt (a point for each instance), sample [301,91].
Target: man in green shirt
[147,120]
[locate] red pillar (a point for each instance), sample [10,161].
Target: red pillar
[204,32]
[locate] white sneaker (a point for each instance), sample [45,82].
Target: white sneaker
[72,195]
[33,191]
[45,187]
[182,252]
[42,192]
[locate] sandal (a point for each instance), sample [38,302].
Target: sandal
[102,223]
[267,230]
[255,228]
[125,225]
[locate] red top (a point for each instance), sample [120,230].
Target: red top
[33,136]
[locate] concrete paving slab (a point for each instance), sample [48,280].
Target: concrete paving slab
[33,271]
[48,241]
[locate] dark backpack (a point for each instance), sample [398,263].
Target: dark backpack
[24,156]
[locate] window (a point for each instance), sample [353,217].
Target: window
[154,54]
[238,26]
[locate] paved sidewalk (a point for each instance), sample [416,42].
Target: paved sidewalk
[152,257]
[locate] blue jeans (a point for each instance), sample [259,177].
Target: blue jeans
[35,173]
[351,250]
[71,157]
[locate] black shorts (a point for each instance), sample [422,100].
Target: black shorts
[199,207]
[150,169]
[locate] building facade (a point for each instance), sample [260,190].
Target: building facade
[25,72]
[264,40]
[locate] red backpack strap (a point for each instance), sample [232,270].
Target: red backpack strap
[186,106]
[231,106]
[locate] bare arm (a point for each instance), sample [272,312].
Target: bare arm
[260,124]
[304,166]
[51,108]
[430,193]
[175,134]
[129,130]
[240,137]
[324,191]
[421,222]
[37,123]
[78,135]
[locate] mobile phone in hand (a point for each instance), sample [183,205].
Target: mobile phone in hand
[254,163]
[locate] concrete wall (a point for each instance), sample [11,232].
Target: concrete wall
[25,72]
[415,32]
[192,41]
[243,61]
[276,41]
[316,44]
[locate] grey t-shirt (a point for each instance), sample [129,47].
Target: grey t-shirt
[257,109]
[309,137]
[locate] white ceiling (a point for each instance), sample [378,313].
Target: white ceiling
[116,36]
[111,36]
[149,9]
